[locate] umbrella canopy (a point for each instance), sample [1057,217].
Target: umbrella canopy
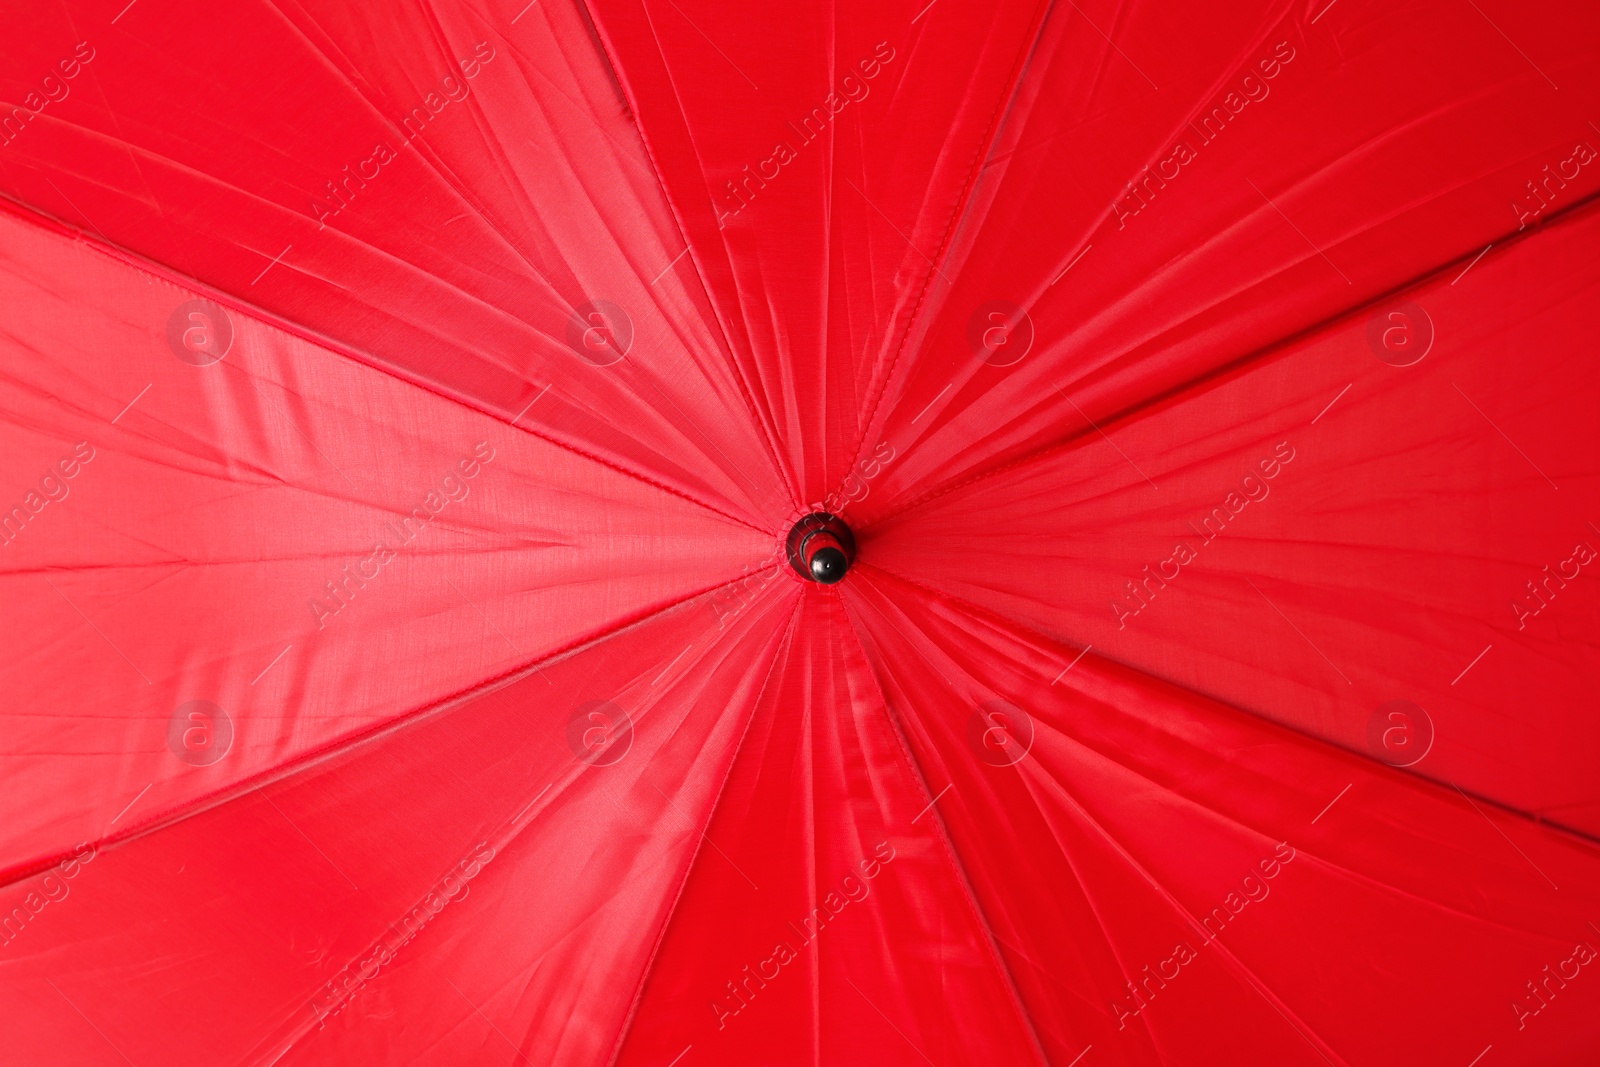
[673,533]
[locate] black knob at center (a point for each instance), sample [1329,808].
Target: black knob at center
[821,548]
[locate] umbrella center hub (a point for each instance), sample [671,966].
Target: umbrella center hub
[821,548]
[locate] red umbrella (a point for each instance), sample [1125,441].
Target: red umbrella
[671,532]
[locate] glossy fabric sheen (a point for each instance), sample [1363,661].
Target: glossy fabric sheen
[401,414]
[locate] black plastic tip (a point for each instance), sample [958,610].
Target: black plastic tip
[828,565]
[821,548]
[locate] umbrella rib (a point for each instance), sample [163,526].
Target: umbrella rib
[435,167]
[1291,1017]
[515,831]
[371,361]
[989,614]
[958,868]
[448,177]
[1133,863]
[370,735]
[959,210]
[1260,353]
[759,415]
[649,169]
[661,190]
[694,859]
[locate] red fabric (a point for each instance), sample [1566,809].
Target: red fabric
[403,414]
